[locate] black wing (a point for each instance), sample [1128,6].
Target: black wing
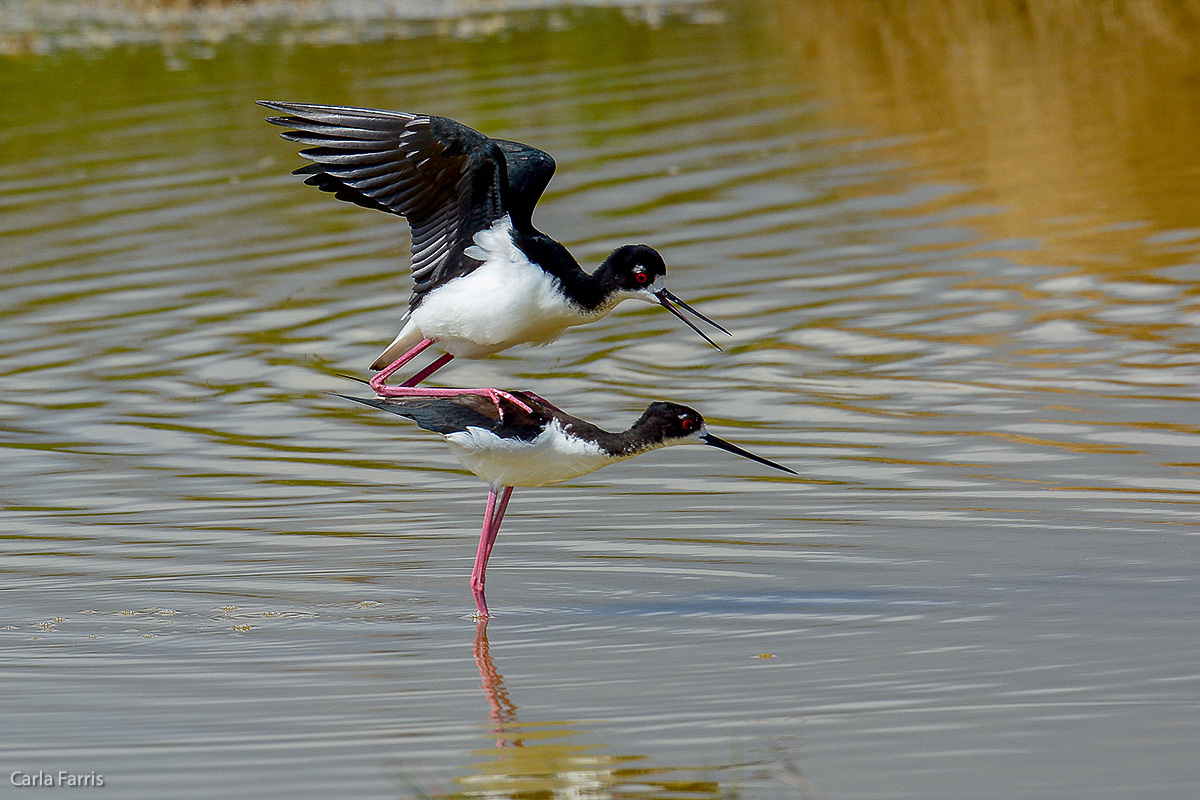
[457,413]
[529,172]
[449,181]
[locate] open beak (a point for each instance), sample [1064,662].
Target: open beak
[708,438]
[665,299]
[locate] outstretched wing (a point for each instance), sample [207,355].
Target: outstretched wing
[449,181]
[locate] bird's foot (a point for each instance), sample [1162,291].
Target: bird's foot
[496,395]
[481,609]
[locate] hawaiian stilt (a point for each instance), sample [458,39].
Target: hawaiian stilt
[531,443]
[484,278]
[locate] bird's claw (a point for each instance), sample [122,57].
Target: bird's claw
[496,394]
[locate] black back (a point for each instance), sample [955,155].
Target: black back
[447,180]
[657,427]
[660,422]
[457,413]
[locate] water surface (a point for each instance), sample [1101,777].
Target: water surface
[958,253]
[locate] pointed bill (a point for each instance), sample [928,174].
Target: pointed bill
[709,439]
[665,299]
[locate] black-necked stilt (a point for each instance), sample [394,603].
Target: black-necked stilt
[532,443]
[484,279]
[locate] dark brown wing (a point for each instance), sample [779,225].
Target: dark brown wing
[449,181]
[457,413]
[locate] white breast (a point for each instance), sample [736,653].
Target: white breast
[552,457]
[506,301]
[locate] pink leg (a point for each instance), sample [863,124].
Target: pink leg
[408,388]
[498,516]
[492,517]
[380,378]
[495,394]
[439,362]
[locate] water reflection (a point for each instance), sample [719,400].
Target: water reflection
[535,760]
[957,245]
[1064,131]
[504,711]
[546,759]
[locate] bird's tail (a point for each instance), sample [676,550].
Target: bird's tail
[405,340]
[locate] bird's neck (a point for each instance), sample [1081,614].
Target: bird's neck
[629,443]
[584,290]
[617,446]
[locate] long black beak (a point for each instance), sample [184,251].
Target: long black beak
[665,298]
[708,438]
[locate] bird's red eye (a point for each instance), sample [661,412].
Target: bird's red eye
[689,424]
[641,277]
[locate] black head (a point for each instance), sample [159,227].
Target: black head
[638,271]
[635,267]
[666,424]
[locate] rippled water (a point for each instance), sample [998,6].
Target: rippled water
[962,275]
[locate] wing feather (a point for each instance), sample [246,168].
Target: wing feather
[447,180]
[446,415]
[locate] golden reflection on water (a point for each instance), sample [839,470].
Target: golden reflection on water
[545,760]
[1074,123]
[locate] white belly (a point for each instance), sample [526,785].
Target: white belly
[550,458]
[506,301]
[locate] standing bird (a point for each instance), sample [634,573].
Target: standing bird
[532,443]
[484,279]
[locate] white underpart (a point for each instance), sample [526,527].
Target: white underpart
[553,457]
[506,301]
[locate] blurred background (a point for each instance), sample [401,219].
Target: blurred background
[956,242]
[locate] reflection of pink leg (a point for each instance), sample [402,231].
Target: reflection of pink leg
[504,710]
[492,517]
